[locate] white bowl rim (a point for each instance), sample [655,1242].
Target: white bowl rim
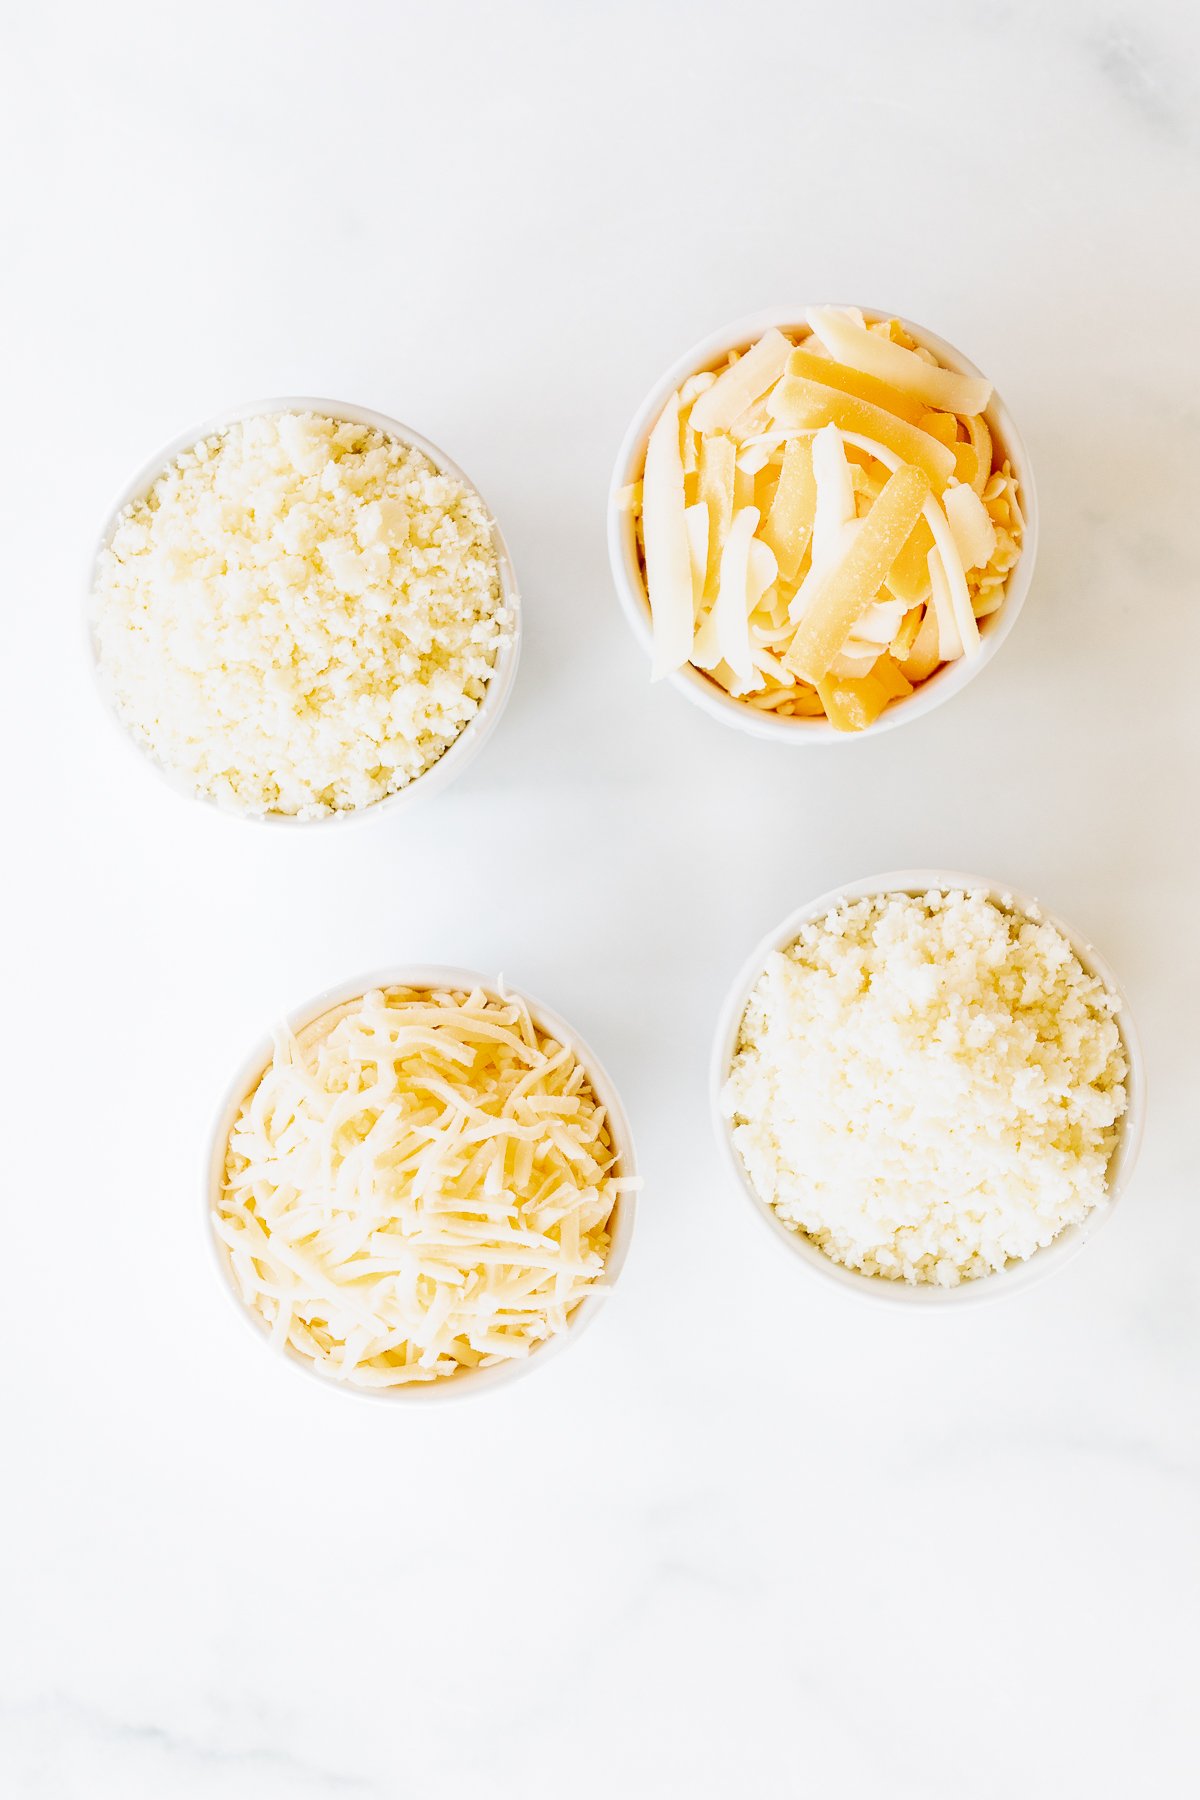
[945,682]
[429,976]
[475,732]
[1015,1276]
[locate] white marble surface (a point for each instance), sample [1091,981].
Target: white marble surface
[750,1537]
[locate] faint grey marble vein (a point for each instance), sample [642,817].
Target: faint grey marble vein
[1136,74]
[61,1720]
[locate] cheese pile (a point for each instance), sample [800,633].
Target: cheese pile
[824,521]
[928,1086]
[301,615]
[422,1183]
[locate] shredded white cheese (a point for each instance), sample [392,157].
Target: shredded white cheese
[972,525]
[744,382]
[835,496]
[301,616]
[668,547]
[769,432]
[422,1184]
[928,1086]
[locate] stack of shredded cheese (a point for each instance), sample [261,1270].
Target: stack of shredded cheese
[825,520]
[301,616]
[928,1086]
[423,1183]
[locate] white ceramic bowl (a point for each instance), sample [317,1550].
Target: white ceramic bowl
[465,1381]
[477,730]
[945,682]
[1016,1275]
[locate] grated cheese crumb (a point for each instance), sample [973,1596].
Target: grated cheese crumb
[301,615]
[928,1086]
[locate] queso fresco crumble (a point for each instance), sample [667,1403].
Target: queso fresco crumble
[300,616]
[928,1086]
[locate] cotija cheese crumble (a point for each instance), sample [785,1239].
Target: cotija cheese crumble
[301,615]
[928,1086]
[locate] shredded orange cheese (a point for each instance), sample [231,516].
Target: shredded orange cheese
[760,478]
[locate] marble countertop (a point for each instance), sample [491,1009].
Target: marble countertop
[750,1537]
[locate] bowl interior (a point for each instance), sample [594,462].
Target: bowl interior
[469,740]
[629,576]
[1016,1275]
[316,1013]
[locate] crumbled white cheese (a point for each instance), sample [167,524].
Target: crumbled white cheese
[301,615]
[928,1087]
[422,1183]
